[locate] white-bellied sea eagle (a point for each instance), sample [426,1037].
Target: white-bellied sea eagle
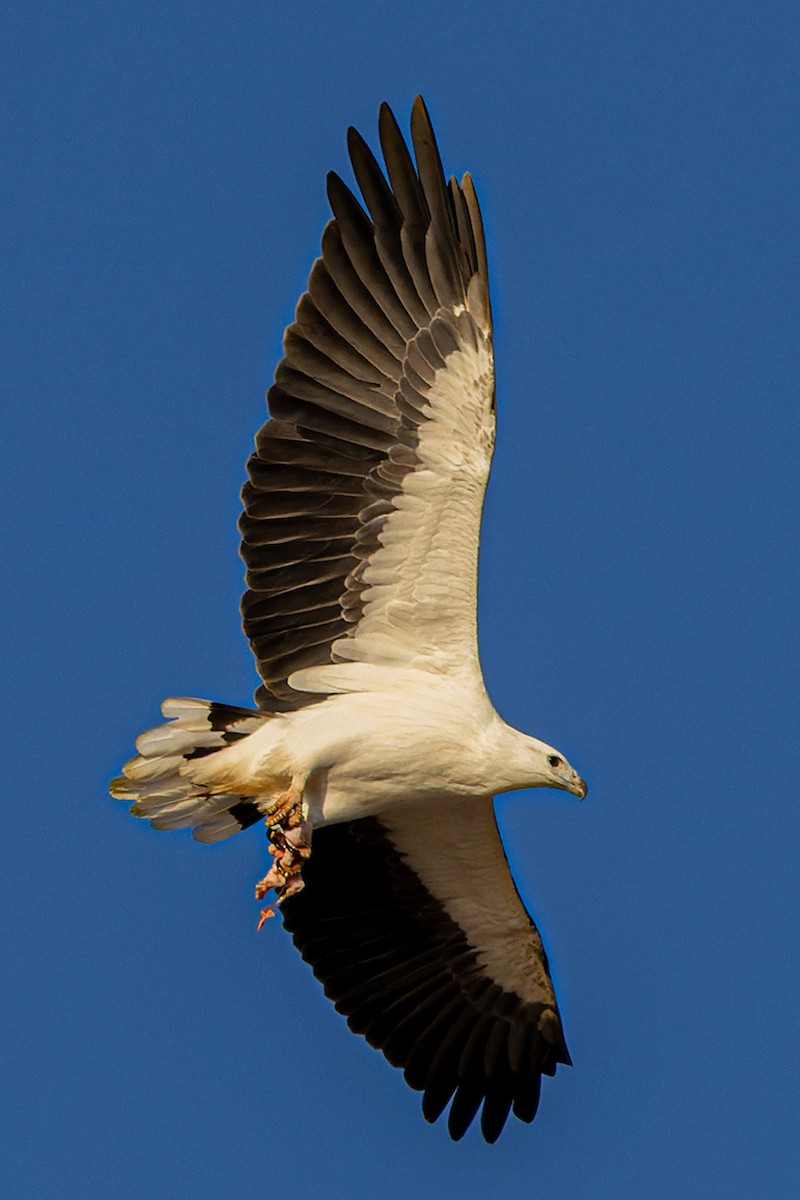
[375,752]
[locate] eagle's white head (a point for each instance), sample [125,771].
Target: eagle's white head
[532,763]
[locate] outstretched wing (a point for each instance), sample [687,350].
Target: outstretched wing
[414,927]
[362,510]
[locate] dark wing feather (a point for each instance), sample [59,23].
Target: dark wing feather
[419,978]
[375,325]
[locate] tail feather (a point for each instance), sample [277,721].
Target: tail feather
[195,811]
[159,781]
[175,738]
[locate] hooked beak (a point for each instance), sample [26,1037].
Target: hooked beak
[577,786]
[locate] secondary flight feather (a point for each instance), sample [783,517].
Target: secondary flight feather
[374,753]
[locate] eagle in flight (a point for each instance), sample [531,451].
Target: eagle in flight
[374,753]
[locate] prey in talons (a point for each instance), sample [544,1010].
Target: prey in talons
[289,838]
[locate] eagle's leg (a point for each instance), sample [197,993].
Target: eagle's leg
[289,844]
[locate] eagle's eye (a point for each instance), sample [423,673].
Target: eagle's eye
[554,760]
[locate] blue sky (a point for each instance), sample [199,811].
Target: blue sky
[637,164]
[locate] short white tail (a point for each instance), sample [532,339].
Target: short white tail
[159,779]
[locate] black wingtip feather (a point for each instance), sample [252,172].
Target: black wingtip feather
[526,1099]
[496,1108]
[465,1105]
[436,1100]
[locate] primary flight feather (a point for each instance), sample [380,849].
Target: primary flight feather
[375,752]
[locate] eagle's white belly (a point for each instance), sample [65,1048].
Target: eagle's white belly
[357,753]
